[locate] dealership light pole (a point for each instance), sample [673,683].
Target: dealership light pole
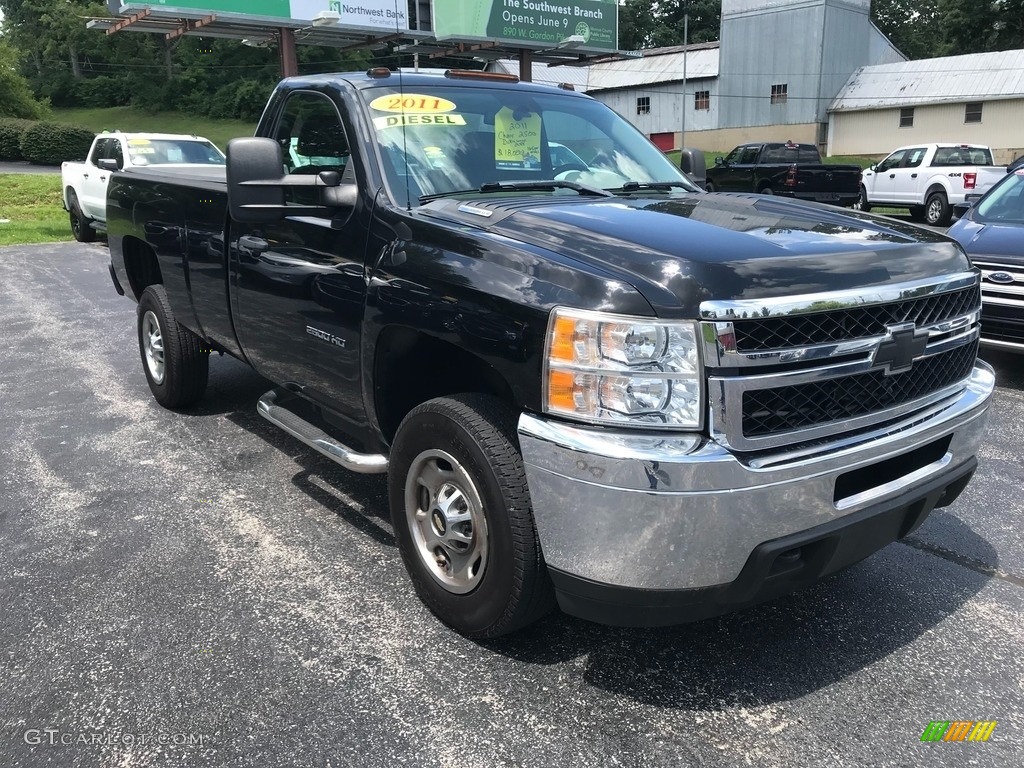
[686,43]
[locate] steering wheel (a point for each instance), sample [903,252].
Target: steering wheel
[570,167]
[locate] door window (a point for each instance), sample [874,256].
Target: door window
[311,135]
[892,161]
[99,150]
[913,157]
[750,155]
[113,152]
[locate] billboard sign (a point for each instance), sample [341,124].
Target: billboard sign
[587,25]
[374,14]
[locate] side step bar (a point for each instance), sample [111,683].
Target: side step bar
[317,439]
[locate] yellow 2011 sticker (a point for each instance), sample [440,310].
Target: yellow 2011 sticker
[392,121]
[138,142]
[412,103]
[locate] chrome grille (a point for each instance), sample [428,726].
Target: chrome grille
[783,372]
[1002,316]
[781,409]
[843,325]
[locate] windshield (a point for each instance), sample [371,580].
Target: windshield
[1004,202]
[445,140]
[173,152]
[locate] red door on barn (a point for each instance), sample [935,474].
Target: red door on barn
[666,142]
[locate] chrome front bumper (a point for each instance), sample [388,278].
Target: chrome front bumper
[652,512]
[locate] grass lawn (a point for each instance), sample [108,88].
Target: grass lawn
[132,119]
[32,204]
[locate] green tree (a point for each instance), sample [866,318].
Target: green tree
[913,26]
[16,99]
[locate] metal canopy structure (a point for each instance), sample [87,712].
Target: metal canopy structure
[265,31]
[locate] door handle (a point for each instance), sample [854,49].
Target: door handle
[253,244]
[913,175]
[892,175]
[85,175]
[103,178]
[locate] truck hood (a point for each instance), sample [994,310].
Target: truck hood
[679,252]
[1002,243]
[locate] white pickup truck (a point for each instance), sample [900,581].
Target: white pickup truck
[85,184]
[929,179]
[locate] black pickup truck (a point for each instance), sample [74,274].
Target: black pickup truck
[786,169]
[585,379]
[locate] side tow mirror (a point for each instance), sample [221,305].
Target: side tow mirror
[108,164]
[719,161]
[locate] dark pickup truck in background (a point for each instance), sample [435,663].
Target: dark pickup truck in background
[586,379]
[785,169]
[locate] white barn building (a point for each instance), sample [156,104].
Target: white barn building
[975,99]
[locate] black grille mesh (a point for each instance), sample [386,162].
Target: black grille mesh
[843,325]
[770,411]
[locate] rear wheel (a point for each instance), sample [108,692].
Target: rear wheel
[176,366]
[80,226]
[709,187]
[862,203]
[462,516]
[937,210]
[767,191]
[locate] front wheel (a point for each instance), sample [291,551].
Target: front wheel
[709,187]
[767,191]
[862,203]
[81,228]
[176,366]
[462,516]
[937,210]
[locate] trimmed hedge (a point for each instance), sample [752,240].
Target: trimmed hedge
[11,131]
[52,143]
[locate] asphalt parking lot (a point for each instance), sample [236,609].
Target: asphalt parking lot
[198,589]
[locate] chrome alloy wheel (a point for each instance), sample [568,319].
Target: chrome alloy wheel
[153,344]
[934,210]
[446,519]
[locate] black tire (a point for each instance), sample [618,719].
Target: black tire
[80,225]
[185,365]
[709,187]
[917,212]
[862,203]
[767,191]
[510,587]
[937,210]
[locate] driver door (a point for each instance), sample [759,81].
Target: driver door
[299,286]
[881,182]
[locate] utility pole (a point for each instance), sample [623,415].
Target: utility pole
[686,44]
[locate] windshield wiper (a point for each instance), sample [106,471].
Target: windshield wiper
[636,186]
[545,185]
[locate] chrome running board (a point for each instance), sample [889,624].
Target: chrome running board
[317,439]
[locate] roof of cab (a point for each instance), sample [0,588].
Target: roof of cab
[409,80]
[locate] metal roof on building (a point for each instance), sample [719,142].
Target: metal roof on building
[973,77]
[654,66]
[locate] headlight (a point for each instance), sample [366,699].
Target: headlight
[616,369]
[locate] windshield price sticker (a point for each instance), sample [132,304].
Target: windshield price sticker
[391,121]
[412,103]
[516,140]
[138,142]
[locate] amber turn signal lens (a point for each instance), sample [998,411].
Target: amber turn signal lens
[562,390]
[563,339]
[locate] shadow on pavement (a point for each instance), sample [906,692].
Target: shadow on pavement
[774,652]
[777,651]
[1009,366]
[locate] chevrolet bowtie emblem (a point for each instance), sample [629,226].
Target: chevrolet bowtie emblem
[896,352]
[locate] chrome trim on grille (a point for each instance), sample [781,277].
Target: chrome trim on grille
[781,306]
[726,399]
[779,368]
